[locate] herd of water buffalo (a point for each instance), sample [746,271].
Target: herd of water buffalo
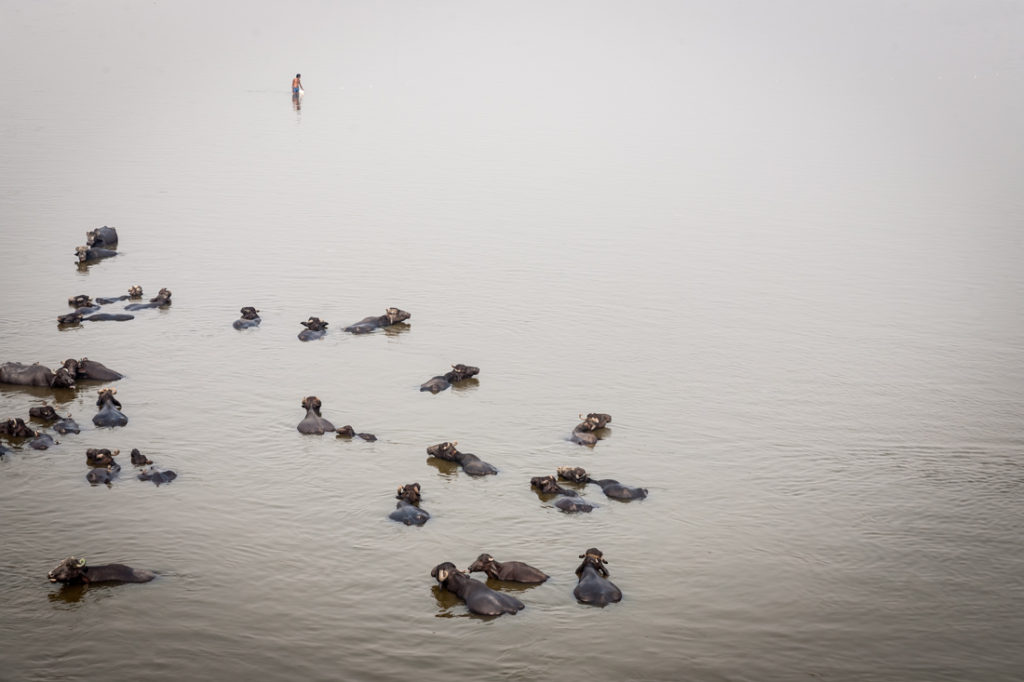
[593,586]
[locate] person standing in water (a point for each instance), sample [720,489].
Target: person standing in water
[296,84]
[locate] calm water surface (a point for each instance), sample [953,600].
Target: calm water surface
[780,245]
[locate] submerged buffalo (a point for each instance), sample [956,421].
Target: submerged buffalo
[100,457]
[88,254]
[81,301]
[567,501]
[78,317]
[161,300]
[103,475]
[74,571]
[44,413]
[42,441]
[90,370]
[441,382]
[610,486]
[593,586]
[35,375]
[347,431]
[584,432]
[313,422]
[134,292]
[103,237]
[157,477]
[408,510]
[67,425]
[110,409]
[478,597]
[250,318]
[315,328]
[139,459]
[368,324]
[470,463]
[510,571]
[17,428]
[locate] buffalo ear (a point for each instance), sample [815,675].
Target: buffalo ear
[582,555]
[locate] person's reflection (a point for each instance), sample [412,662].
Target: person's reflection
[296,101]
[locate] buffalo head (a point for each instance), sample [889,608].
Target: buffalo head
[135,291]
[314,324]
[481,563]
[593,557]
[409,492]
[311,402]
[68,571]
[574,474]
[444,450]
[80,301]
[394,315]
[250,313]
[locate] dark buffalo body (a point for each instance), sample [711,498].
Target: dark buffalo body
[313,423]
[458,373]
[161,300]
[315,328]
[584,432]
[250,318]
[110,409]
[88,254]
[17,428]
[157,477]
[102,237]
[35,375]
[90,370]
[368,324]
[470,463]
[75,571]
[407,510]
[479,598]
[511,571]
[593,586]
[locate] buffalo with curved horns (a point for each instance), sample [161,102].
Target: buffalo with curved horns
[593,586]
[110,409]
[568,500]
[103,475]
[74,570]
[44,413]
[459,373]
[610,486]
[315,328]
[158,477]
[81,301]
[102,237]
[478,597]
[368,324]
[87,254]
[408,510]
[347,431]
[250,318]
[161,300]
[100,457]
[16,428]
[134,292]
[139,459]
[35,375]
[313,422]
[470,463]
[584,432]
[510,571]
[90,370]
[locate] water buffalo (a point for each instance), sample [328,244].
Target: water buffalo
[510,571]
[407,510]
[315,328]
[103,475]
[78,317]
[470,463]
[611,487]
[100,457]
[250,318]
[568,500]
[459,373]
[81,301]
[134,292]
[88,254]
[478,597]
[110,409]
[313,422]
[44,413]
[73,570]
[17,428]
[584,432]
[139,459]
[158,477]
[104,237]
[161,300]
[42,441]
[67,425]
[35,375]
[347,431]
[593,586]
[90,370]
[368,324]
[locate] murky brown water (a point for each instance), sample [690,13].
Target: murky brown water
[782,250]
